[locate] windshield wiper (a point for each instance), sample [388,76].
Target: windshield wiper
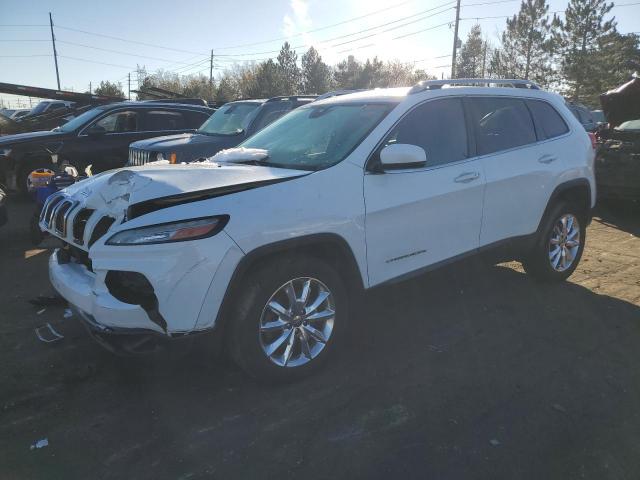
[231,134]
[253,161]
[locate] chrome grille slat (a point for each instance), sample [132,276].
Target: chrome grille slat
[65,217]
[51,224]
[138,157]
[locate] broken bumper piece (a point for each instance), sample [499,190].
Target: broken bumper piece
[90,298]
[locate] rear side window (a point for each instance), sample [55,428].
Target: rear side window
[501,123]
[160,120]
[269,113]
[548,121]
[438,127]
[194,119]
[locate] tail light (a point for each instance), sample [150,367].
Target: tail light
[592,137]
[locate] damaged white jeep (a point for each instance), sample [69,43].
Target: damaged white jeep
[269,243]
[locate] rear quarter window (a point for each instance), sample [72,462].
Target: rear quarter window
[548,121]
[159,120]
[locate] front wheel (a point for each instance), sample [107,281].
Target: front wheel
[559,245]
[289,316]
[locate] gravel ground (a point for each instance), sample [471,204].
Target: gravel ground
[473,371]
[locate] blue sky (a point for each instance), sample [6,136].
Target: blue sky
[179,35]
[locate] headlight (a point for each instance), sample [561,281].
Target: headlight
[169,157]
[170,232]
[5,152]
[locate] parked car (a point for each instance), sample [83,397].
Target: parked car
[99,137]
[584,115]
[618,160]
[270,243]
[19,113]
[231,124]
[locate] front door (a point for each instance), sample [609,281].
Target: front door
[419,217]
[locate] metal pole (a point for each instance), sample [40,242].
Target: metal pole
[129,80]
[89,88]
[455,41]
[211,69]
[55,53]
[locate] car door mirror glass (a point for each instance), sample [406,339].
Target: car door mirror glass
[402,155]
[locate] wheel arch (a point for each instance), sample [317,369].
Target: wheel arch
[329,247]
[576,191]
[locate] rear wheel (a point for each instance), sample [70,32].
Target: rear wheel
[559,245]
[289,316]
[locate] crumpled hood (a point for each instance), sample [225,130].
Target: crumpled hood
[114,191]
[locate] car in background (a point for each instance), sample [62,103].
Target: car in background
[228,126]
[21,112]
[584,115]
[618,162]
[3,207]
[99,137]
[50,106]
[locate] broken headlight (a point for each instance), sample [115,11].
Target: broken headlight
[181,231]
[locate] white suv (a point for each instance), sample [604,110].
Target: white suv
[269,243]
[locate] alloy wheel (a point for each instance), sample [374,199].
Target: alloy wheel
[564,243]
[297,322]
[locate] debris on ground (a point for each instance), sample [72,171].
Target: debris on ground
[43,442]
[558,407]
[48,301]
[67,313]
[40,312]
[494,442]
[47,334]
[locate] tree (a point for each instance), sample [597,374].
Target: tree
[268,81]
[527,45]
[373,74]
[580,38]
[316,75]
[471,57]
[289,71]
[227,89]
[109,89]
[347,74]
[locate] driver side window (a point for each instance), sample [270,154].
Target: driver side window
[438,127]
[119,122]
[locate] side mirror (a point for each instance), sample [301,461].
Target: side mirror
[402,155]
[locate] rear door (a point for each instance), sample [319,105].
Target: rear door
[419,217]
[521,165]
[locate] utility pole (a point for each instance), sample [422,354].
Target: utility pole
[90,88]
[129,80]
[484,59]
[211,69]
[55,54]
[455,41]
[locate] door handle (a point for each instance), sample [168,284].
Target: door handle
[467,177]
[547,158]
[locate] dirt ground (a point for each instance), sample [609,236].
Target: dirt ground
[473,372]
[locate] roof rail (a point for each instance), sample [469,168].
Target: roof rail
[468,82]
[292,97]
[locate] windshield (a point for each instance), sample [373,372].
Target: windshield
[230,119]
[80,120]
[316,137]
[39,108]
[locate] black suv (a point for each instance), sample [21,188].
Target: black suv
[99,137]
[230,125]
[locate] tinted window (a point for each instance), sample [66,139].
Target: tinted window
[548,122]
[501,123]
[436,126]
[230,119]
[118,122]
[194,119]
[269,113]
[159,120]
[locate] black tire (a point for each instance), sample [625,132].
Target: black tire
[250,300]
[537,262]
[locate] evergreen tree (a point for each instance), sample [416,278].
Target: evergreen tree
[268,82]
[580,39]
[527,45]
[316,75]
[347,73]
[109,89]
[471,56]
[289,71]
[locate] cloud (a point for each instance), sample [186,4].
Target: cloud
[298,20]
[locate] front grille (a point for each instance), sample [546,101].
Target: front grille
[61,215]
[138,157]
[100,229]
[47,209]
[80,223]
